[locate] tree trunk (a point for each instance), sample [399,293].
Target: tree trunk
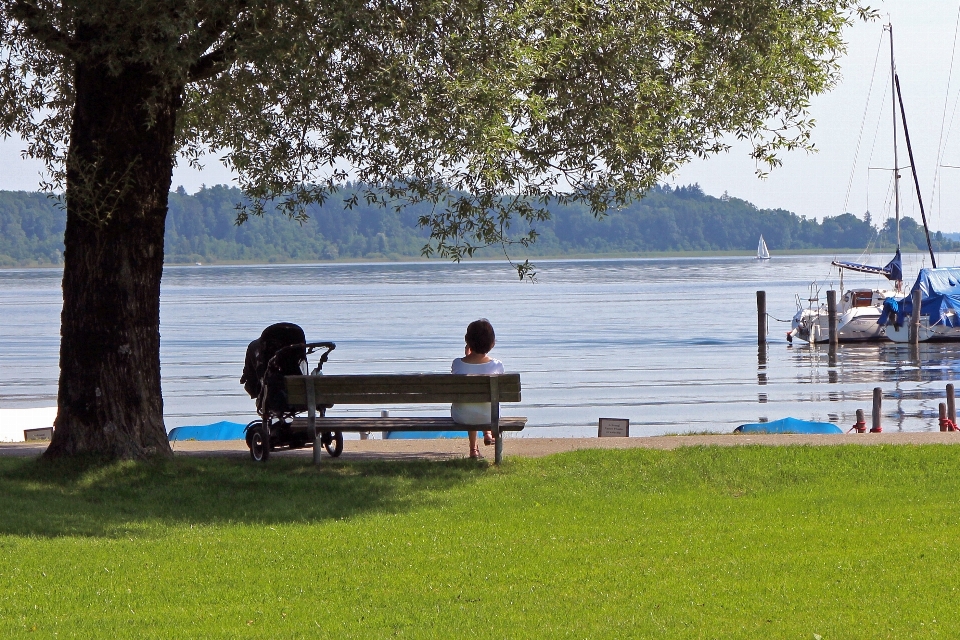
[119,168]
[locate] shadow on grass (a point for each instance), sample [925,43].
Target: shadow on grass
[93,498]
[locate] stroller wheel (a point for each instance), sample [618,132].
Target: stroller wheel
[259,444]
[333,442]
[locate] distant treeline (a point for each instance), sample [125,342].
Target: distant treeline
[201,228]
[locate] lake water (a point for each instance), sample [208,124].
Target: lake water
[669,344]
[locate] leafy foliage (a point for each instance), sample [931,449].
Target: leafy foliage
[201,227]
[486,111]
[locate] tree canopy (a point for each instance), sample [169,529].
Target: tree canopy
[484,110]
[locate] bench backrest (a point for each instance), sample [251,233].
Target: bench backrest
[404,388]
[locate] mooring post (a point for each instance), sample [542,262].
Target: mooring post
[761,318]
[832,315]
[915,317]
[877,398]
[951,404]
[942,407]
[861,425]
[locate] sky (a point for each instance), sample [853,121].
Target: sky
[838,177]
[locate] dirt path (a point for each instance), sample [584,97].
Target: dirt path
[534,447]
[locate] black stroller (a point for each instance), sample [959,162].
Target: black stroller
[282,350]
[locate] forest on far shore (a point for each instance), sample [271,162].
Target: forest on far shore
[202,228]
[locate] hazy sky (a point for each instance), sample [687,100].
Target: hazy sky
[816,185]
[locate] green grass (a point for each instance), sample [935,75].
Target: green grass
[742,542]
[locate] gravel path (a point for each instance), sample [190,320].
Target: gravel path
[534,447]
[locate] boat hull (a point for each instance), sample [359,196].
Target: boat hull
[860,324]
[940,333]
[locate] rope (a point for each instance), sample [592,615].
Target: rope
[946,101]
[946,424]
[859,426]
[863,123]
[778,319]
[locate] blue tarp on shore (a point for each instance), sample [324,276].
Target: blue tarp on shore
[222,430]
[423,435]
[789,425]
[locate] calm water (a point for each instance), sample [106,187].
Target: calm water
[668,343]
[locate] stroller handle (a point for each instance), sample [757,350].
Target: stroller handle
[310,348]
[313,346]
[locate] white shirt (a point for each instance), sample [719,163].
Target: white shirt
[473,412]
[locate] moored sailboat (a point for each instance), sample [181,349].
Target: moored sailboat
[859,310]
[939,308]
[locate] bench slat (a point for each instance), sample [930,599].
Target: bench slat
[355,424]
[401,389]
[412,383]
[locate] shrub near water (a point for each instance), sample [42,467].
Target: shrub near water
[836,542]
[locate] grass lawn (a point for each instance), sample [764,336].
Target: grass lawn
[719,542]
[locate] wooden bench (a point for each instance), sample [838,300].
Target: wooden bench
[305,393]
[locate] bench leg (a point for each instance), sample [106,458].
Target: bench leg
[312,420]
[495,418]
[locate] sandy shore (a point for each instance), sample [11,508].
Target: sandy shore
[533,447]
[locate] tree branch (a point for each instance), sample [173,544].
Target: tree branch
[40,28]
[217,61]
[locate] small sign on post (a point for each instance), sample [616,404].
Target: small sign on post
[43,433]
[614,428]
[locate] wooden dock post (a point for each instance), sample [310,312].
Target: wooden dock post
[942,407]
[761,318]
[877,400]
[951,404]
[832,315]
[915,317]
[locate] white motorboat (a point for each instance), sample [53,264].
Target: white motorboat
[762,252]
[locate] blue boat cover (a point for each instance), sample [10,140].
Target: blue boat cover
[423,435]
[939,295]
[222,430]
[789,425]
[893,269]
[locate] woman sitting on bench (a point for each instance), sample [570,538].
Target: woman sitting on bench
[480,340]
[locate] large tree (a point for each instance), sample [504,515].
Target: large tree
[486,108]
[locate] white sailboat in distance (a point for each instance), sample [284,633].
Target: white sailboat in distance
[762,252]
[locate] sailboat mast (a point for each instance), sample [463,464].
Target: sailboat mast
[896,163]
[913,168]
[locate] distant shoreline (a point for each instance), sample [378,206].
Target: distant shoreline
[533,259]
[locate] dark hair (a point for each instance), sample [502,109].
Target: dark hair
[480,336]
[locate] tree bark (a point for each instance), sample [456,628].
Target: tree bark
[119,169]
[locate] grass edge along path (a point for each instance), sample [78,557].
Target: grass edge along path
[700,542]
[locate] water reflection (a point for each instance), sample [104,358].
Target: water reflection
[912,378]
